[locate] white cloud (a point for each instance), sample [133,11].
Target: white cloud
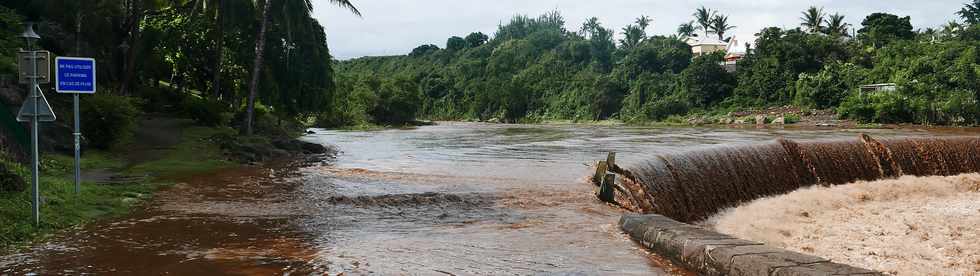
[393,27]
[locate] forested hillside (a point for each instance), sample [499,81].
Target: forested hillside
[538,68]
[254,65]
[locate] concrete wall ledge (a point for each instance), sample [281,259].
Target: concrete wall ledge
[711,253]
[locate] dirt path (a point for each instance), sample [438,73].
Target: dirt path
[235,222]
[154,137]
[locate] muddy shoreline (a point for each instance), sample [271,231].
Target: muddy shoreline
[233,221]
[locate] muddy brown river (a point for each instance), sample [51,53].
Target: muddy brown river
[451,199]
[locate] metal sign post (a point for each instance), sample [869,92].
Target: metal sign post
[75,75]
[78,147]
[35,110]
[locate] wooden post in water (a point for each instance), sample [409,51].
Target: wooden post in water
[611,160]
[606,191]
[605,180]
[600,172]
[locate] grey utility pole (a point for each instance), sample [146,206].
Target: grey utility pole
[30,36]
[78,149]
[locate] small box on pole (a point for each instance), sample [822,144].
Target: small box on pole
[25,62]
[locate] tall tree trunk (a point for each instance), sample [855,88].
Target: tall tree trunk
[257,67]
[130,68]
[135,17]
[78,32]
[219,48]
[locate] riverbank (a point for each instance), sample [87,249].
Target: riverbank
[772,117]
[237,220]
[117,181]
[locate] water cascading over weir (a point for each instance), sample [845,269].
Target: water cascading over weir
[691,186]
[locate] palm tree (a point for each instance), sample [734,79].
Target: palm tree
[971,13]
[225,13]
[686,30]
[719,25]
[219,11]
[632,36]
[836,25]
[704,16]
[951,29]
[590,27]
[260,47]
[930,34]
[812,19]
[644,21]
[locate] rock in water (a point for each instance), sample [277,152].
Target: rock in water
[311,148]
[779,121]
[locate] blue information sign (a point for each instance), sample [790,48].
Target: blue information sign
[74,75]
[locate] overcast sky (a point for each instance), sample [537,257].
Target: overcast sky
[395,27]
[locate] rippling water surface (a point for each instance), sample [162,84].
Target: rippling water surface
[452,199]
[469,198]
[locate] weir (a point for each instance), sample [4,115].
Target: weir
[691,186]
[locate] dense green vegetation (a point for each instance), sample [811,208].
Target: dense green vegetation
[230,66]
[536,69]
[263,67]
[62,207]
[223,58]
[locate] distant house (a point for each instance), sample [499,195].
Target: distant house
[706,45]
[735,51]
[878,87]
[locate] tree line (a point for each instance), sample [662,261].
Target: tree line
[535,68]
[224,62]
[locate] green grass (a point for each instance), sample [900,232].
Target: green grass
[363,127]
[194,154]
[90,160]
[792,119]
[61,207]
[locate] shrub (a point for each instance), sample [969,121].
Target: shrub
[206,112]
[161,99]
[108,119]
[856,107]
[265,122]
[259,112]
[705,82]
[398,103]
[663,108]
[791,119]
[10,180]
[830,86]
[882,107]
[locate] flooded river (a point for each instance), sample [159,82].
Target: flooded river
[465,198]
[452,199]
